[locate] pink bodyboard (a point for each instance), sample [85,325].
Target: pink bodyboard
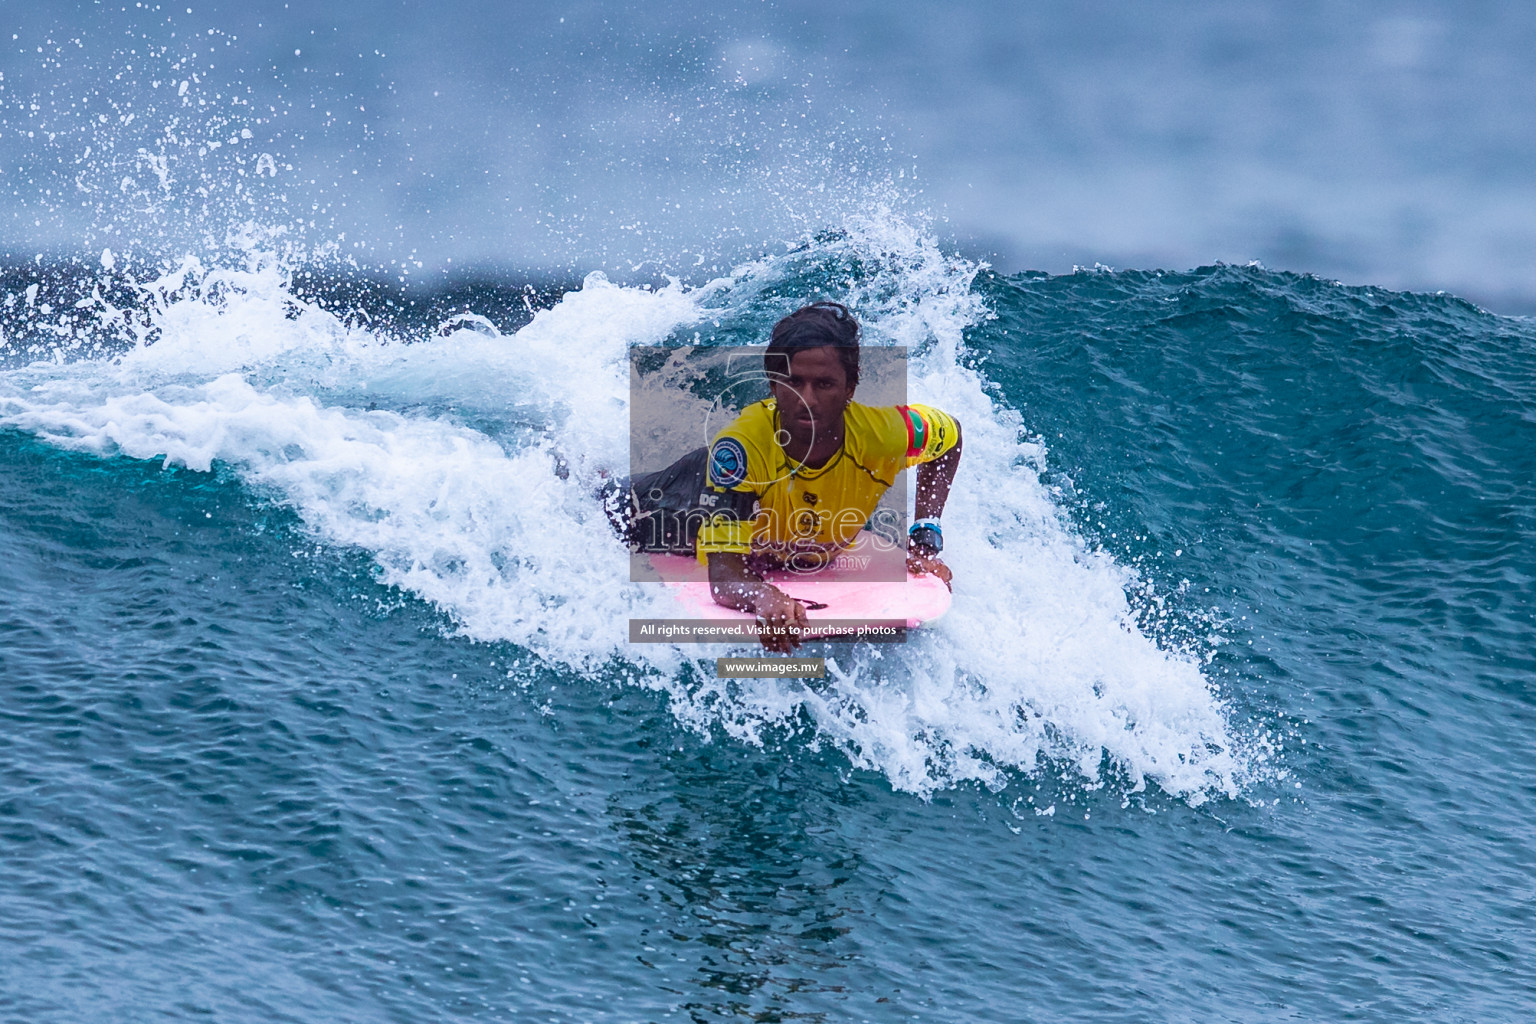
[848,594]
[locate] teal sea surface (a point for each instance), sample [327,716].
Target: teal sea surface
[315,702]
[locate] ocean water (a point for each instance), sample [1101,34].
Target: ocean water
[317,703]
[315,700]
[1383,143]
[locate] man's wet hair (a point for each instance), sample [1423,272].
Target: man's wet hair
[819,325]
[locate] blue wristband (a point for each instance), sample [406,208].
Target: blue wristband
[926,537]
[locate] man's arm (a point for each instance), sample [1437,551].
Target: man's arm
[732,583]
[934,478]
[933,482]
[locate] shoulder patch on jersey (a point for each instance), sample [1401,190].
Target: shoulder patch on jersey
[917,430]
[727,463]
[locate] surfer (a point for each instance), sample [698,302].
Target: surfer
[796,476]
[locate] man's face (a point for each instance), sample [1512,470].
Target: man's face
[812,400]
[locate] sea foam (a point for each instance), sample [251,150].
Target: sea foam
[464,464]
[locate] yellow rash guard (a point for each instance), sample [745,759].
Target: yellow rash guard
[822,508]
